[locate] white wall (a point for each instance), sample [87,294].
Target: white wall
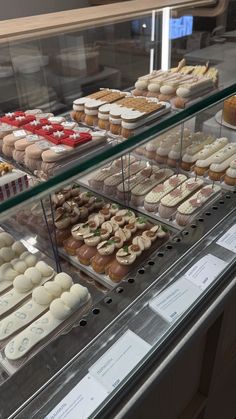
[18,8]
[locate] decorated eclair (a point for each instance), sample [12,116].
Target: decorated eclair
[124,188]
[202,165]
[230,175]
[187,209]
[168,89]
[201,151]
[153,198]
[111,182]
[189,91]
[218,170]
[170,202]
[141,84]
[139,192]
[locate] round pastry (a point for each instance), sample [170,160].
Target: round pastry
[19,266]
[22,284]
[18,248]
[85,253]
[44,268]
[29,259]
[7,272]
[71,245]
[6,239]
[6,253]
[229,110]
[230,175]
[104,256]
[34,275]
[64,280]
[121,265]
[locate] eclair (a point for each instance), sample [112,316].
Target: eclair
[202,165]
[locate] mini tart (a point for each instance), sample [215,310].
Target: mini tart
[71,245]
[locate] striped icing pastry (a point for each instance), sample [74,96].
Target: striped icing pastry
[163,189]
[221,167]
[202,151]
[180,193]
[218,157]
[198,199]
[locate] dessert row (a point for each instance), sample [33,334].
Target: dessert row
[197,152]
[178,85]
[160,191]
[118,112]
[41,141]
[34,302]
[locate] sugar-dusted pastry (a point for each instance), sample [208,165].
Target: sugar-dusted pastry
[139,192]
[201,151]
[188,208]
[170,202]
[60,310]
[217,170]
[42,297]
[23,285]
[230,175]
[202,166]
[153,198]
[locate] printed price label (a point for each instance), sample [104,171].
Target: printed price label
[19,133]
[228,240]
[32,137]
[58,149]
[44,145]
[80,402]
[173,301]
[205,271]
[119,360]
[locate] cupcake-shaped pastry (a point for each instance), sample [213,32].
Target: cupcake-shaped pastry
[106,212]
[122,264]
[95,221]
[86,252]
[119,220]
[104,256]
[230,175]
[71,245]
[79,231]
[144,242]
[141,223]
[93,238]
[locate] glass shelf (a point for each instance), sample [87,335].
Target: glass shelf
[108,153]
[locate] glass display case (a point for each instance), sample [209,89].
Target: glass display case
[118,169]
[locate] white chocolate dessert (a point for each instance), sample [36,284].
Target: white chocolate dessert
[142,82]
[172,200]
[42,297]
[154,197]
[197,87]
[60,310]
[224,153]
[124,188]
[138,192]
[201,151]
[230,175]
[23,285]
[217,170]
[187,209]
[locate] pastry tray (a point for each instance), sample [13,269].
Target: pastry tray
[152,215]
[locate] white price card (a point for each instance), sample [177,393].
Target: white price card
[32,137]
[80,402]
[119,360]
[173,301]
[228,240]
[19,133]
[203,273]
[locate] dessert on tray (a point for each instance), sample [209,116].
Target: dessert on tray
[201,150]
[153,198]
[230,175]
[170,202]
[187,209]
[229,110]
[139,192]
[202,165]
